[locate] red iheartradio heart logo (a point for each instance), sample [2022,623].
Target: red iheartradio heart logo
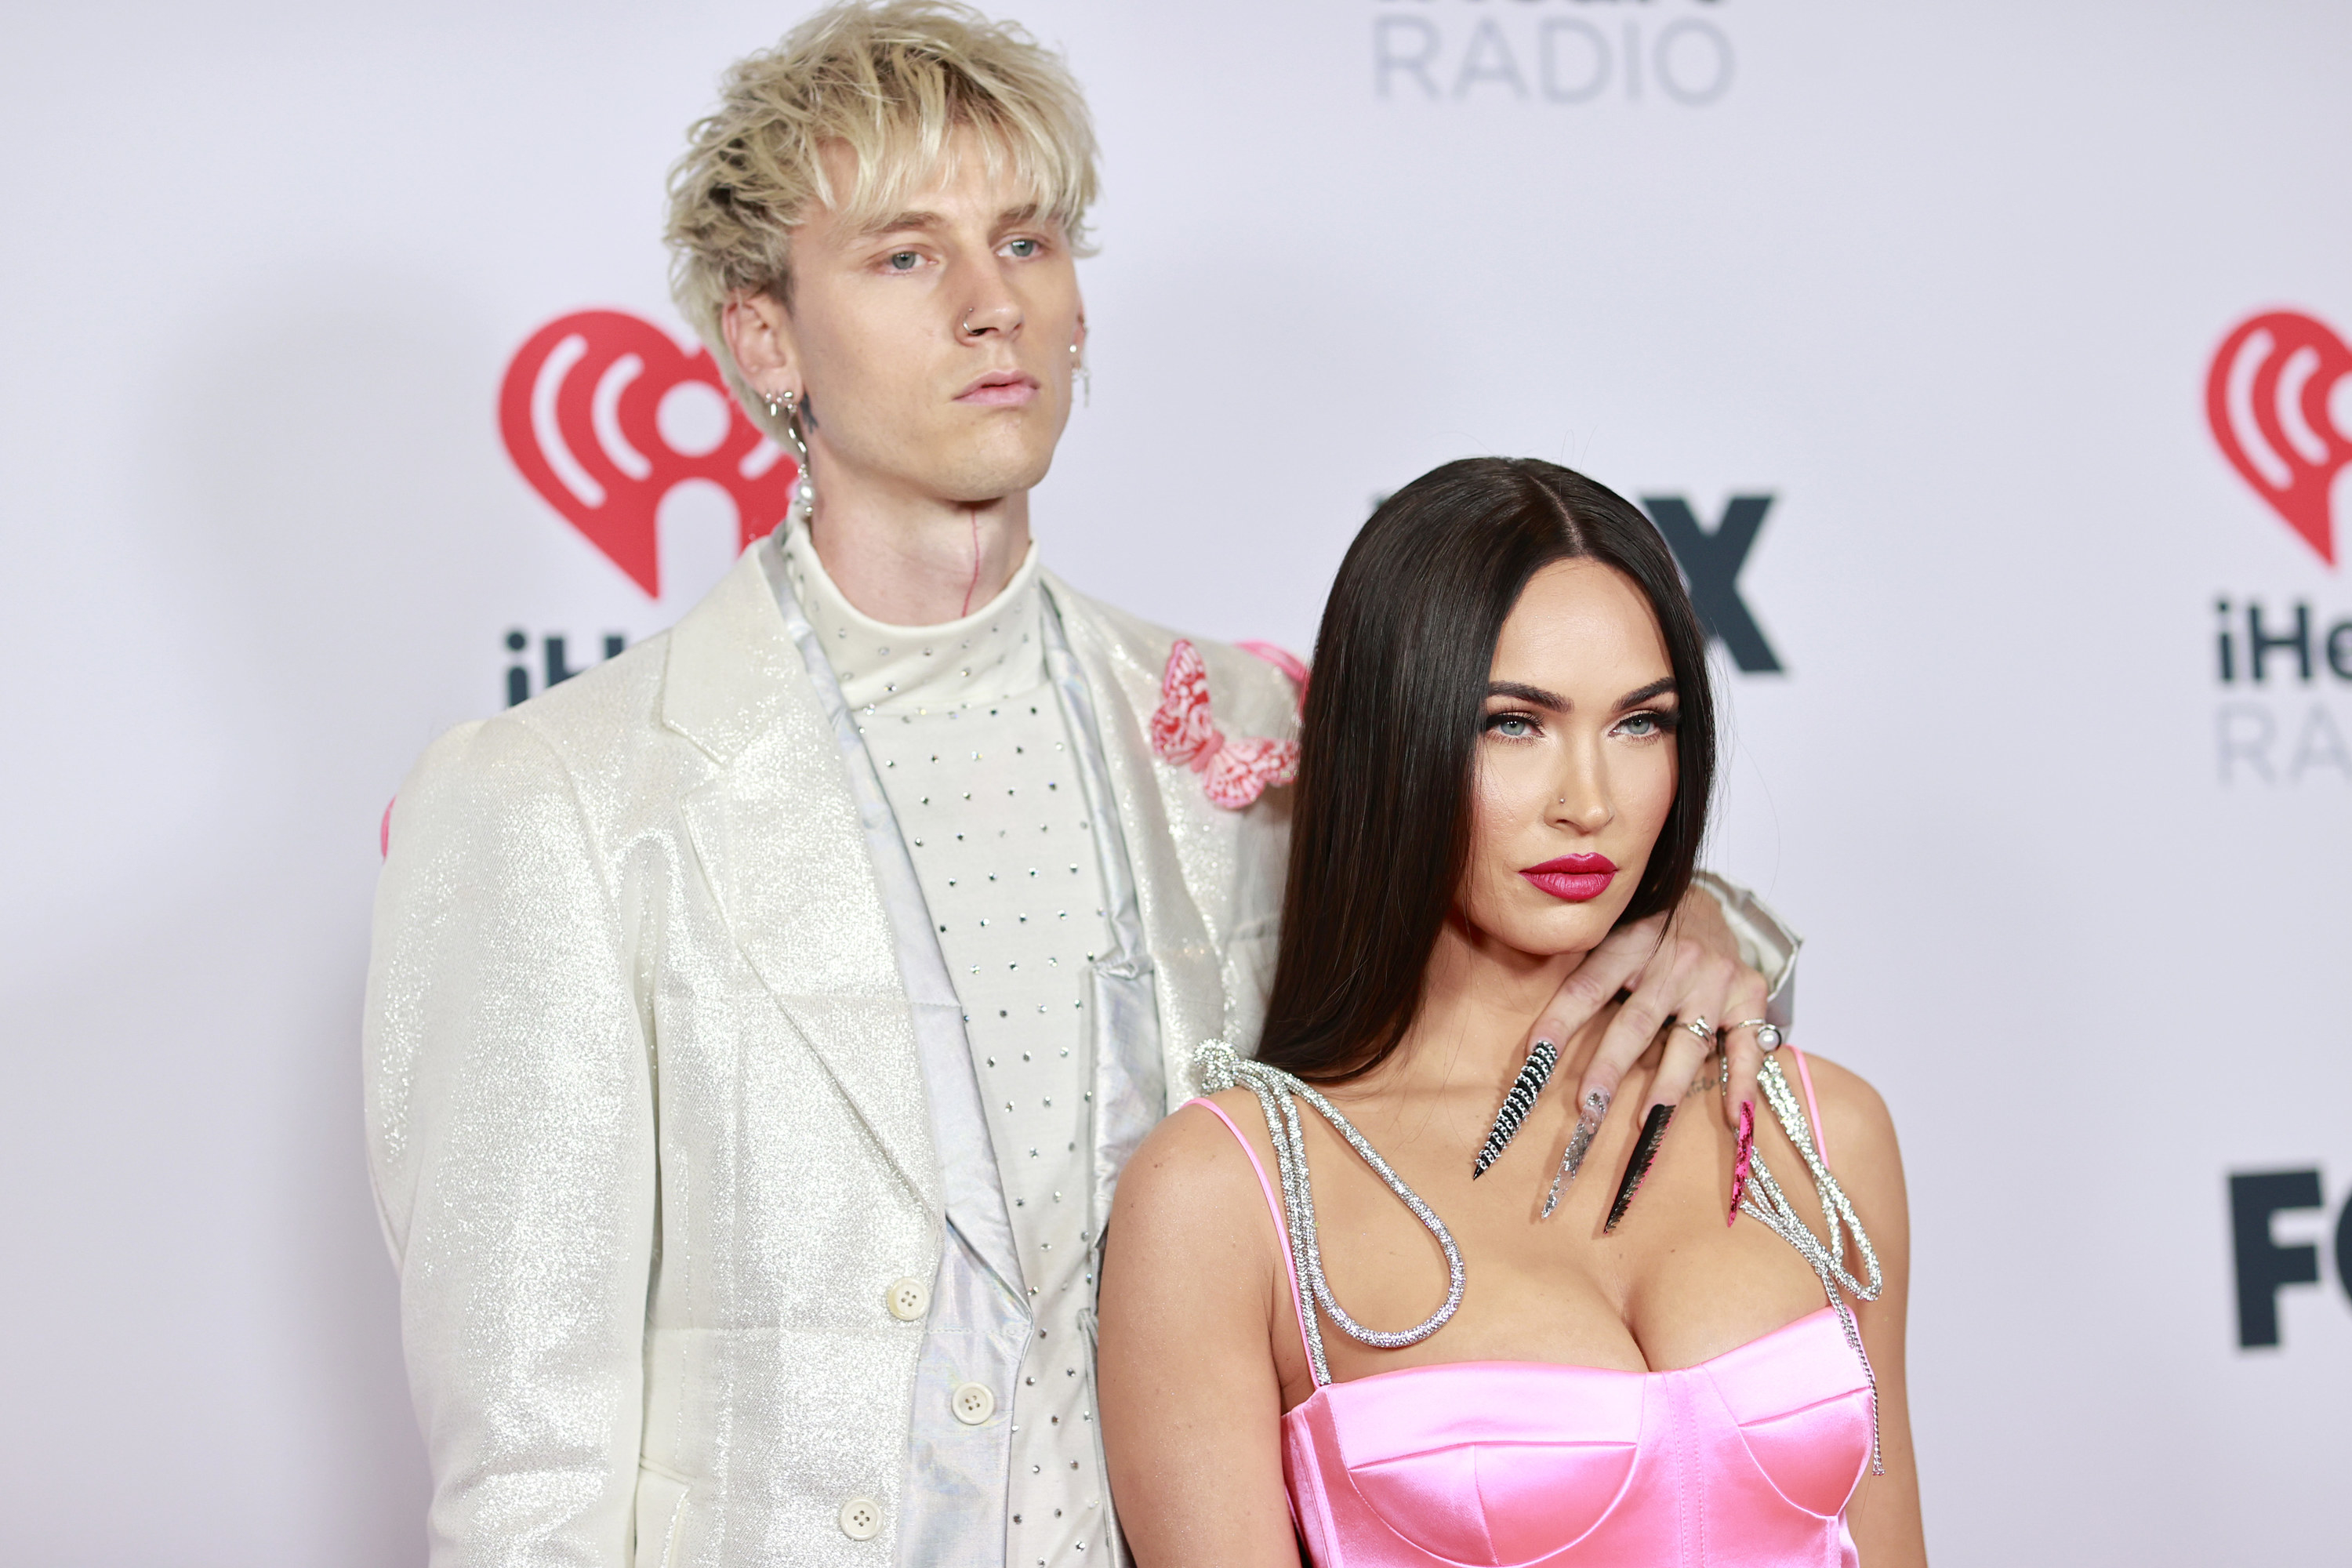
[2280,404]
[597,412]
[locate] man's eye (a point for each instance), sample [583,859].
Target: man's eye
[903,260]
[1024,248]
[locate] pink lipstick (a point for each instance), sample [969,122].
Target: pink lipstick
[1574,877]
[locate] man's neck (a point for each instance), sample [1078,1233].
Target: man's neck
[910,560]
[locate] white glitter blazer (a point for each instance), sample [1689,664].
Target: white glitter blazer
[647,1116]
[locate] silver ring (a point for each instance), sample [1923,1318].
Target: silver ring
[1698,1026]
[964,326]
[1768,1034]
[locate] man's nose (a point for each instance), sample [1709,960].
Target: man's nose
[990,307]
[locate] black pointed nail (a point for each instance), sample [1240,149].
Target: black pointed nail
[1646,1149]
[1542,1057]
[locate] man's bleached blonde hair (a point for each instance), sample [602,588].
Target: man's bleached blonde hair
[891,81]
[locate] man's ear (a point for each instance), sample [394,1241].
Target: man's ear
[758,333]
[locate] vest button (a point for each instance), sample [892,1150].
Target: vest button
[907,1299]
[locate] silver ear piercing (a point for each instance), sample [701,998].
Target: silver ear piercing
[786,407]
[1086,376]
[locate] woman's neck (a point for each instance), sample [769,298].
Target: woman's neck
[1478,999]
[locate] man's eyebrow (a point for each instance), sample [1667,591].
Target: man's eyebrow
[1011,218]
[1525,693]
[897,221]
[1655,688]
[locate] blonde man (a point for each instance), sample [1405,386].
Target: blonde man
[759,1023]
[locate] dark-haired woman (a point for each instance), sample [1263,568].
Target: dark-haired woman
[1383,1297]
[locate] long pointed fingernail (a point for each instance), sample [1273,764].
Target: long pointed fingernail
[1536,1071]
[1646,1149]
[1743,1153]
[1588,1122]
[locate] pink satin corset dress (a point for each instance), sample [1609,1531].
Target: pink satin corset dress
[1747,1459]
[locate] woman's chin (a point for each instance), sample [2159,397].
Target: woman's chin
[1560,931]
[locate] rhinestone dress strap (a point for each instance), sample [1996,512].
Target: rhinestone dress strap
[1219,1067]
[1768,1205]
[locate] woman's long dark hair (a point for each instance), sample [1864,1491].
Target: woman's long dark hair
[1380,835]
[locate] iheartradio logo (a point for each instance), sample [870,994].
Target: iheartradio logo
[2279,397]
[604,415]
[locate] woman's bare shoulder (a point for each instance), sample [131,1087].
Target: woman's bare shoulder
[1191,1163]
[1856,1114]
[1858,1133]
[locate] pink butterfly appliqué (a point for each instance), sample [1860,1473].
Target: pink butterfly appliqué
[1233,772]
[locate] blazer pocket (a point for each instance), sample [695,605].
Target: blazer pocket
[661,1503]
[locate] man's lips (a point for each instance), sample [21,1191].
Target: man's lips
[1573,878]
[1001,389]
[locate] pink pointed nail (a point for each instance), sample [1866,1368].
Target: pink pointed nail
[1743,1153]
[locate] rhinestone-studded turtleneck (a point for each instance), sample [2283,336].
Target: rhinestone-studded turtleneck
[969,741]
[918,670]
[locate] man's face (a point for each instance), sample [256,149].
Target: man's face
[899,395]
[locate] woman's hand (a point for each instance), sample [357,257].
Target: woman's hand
[1683,969]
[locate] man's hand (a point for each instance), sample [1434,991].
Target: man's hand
[1682,969]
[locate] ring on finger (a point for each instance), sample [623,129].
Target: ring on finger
[1698,1026]
[1768,1034]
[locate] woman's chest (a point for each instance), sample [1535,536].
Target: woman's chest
[1670,1287]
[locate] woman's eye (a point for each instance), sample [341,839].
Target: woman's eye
[1511,726]
[1642,726]
[903,260]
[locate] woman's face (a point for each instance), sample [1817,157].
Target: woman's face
[1576,762]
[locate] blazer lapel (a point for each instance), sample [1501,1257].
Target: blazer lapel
[777,836]
[1190,983]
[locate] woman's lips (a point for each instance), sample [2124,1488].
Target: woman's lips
[1573,878]
[1001,389]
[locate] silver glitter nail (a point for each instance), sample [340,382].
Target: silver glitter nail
[1588,1122]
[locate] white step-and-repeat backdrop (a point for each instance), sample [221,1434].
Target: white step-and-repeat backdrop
[1984,363]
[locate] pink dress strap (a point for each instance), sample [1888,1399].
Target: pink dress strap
[1274,1206]
[1813,1110]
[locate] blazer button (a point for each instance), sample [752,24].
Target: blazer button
[861,1518]
[907,1299]
[973,1404]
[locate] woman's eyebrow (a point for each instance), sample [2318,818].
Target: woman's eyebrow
[1535,694]
[1655,688]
